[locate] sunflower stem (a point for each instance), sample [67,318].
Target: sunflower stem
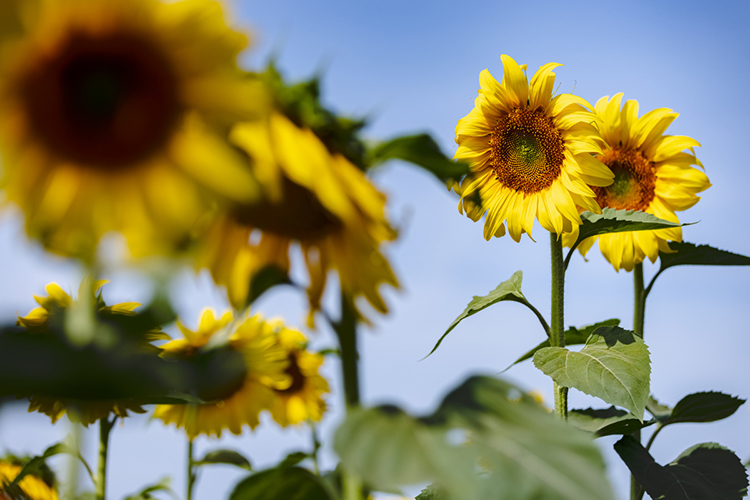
[105,427]
[557,329]
[190,470]
[639,314]
[316,446]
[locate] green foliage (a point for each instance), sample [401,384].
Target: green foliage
[614,365]
[422,151]
[229,457]
[293,459]
[264,280]
[689,254]
[146,493]
[704,407]
[432,492]
[37,466]
[616,221]
[509,290]
[573,336]
[288,483]
[705,471]
[606,422]
[487,440]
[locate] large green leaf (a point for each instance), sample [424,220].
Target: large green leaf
[614,365]
[704,407]
[706,471]
[486,441]
[573,336]
[288,483]
[509,290]
[606,422]
[690,254]
[659,411]
[421,150]
[616,221]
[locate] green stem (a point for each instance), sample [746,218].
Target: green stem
[190,470]
[316,446]
[639,314]
[557,328]
[105,427]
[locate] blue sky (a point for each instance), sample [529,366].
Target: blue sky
[413,66]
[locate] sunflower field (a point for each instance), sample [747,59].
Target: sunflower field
[235,260]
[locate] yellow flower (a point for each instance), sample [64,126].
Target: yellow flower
[33,487]
[653,174]
[302,398]
[114,115]
[266,361]
[38,321]
[312,197]
[530,154]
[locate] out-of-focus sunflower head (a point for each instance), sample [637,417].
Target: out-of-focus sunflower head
[114,116]
[39,484]
[653,173]
[59,312]
[315,194]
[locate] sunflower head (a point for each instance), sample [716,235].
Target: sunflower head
[654,173]
[113,116]
[266,362]
[39,485]
[301,399]
[530,154]
[50,316]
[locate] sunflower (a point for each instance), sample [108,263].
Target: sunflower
[266,362]
[653,174]
[31,486]
[300,399]
[530,154]
[114,115]
[314,198]
[38,322]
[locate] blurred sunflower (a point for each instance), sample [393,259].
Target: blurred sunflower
[653,174]
[52,308]
[266,362]
[300,399]
[312,197]
[31,486]
[530,154]
[114,115]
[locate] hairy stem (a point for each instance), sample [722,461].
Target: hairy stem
[105,427]
[639,313]
[557,328]
[190,470]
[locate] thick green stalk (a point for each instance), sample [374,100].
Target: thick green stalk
[105,427]
[639,314]
[191,475]
[557,326]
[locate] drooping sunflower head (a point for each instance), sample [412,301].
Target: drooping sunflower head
[113,116]
[301,399]
[654,173]
[33,486]
[530,154]
[266,363]
[313,197]
[51,315]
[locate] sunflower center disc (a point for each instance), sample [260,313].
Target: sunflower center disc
[527,151]
[102,100]
[633,186]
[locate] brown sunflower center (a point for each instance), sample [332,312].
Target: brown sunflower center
[633,186]
[102,100]
[299,216]
[527,151]
[298,379]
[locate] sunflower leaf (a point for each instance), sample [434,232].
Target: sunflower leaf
[228,457]
[264,280]
[422,151]
[659,411]
[288,483]
[705,471]
[507,290]
[573,336]
[524,451]
[690,254]
[614,365]
[704,407]
[606,422]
